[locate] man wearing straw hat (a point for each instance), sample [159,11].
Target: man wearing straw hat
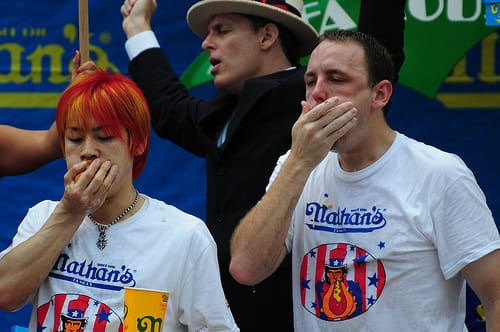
[254,48]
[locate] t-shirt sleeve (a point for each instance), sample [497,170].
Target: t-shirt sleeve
[464,228]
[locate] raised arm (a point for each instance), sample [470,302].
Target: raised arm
[137,16]
[23,150]
[258,242]
[26,265]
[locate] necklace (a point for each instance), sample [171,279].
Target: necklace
[102,241]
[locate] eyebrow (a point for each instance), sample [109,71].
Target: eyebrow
[328,72]
[95,129]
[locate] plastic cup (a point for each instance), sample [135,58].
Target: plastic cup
[144,309]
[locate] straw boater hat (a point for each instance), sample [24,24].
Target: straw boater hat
[285,12]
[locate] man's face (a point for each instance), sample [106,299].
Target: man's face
[94,142]
[334,274]
[339,69]
[234,49]
[72,325]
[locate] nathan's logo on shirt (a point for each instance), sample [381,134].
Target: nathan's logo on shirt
[97,276]
[322,216]
[339,281]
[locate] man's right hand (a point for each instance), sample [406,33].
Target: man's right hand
[137,16]
[318,128]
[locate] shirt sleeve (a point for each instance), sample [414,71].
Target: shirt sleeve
[466,230]
[203,306]
[141,42]
[277,168]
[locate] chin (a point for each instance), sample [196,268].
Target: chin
[219,83]
[338,145]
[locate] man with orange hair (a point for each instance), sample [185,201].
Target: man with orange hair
[103,235]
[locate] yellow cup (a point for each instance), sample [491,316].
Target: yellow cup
[144,309]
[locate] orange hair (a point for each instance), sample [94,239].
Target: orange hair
[114,101]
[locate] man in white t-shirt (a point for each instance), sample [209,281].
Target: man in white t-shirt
[74,258]
[384,231]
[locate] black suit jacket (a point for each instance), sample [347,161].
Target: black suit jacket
[237,173]
[259,132]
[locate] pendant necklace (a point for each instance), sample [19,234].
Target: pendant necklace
[102,241]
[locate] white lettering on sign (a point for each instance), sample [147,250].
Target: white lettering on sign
[454,10]
[334,17]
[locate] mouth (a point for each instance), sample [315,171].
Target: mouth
[79,174]
[215,63]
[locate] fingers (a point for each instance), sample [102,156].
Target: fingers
[127,6]
[101,183]
[318,129]
[341,124]
[83,172]
[320,109]
[87,68]
[89,191]
[76,64]
[96,175]
[137,16]
[327,116]
[305,107]
[81,167]
[336,117]
[76,59]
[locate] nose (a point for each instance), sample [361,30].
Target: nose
[207,44]
[90,150]
[318,93]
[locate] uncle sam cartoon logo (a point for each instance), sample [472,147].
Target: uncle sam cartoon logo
[77,313]
[340,281]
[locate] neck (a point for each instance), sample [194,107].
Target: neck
[370,152]
[118,208]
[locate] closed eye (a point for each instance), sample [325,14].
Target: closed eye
[310,83]
[222,29]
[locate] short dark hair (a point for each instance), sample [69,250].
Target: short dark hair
[378,58]
[380,65]
[288,42]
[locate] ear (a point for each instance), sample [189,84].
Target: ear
[382,92]
[268,36]
[140,148]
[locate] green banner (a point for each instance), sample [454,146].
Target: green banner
[438,34]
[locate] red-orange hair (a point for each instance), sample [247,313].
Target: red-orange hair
[114,101]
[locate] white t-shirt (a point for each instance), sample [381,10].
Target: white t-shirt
[403,228]
[160,247]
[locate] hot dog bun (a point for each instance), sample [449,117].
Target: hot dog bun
[79,174]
